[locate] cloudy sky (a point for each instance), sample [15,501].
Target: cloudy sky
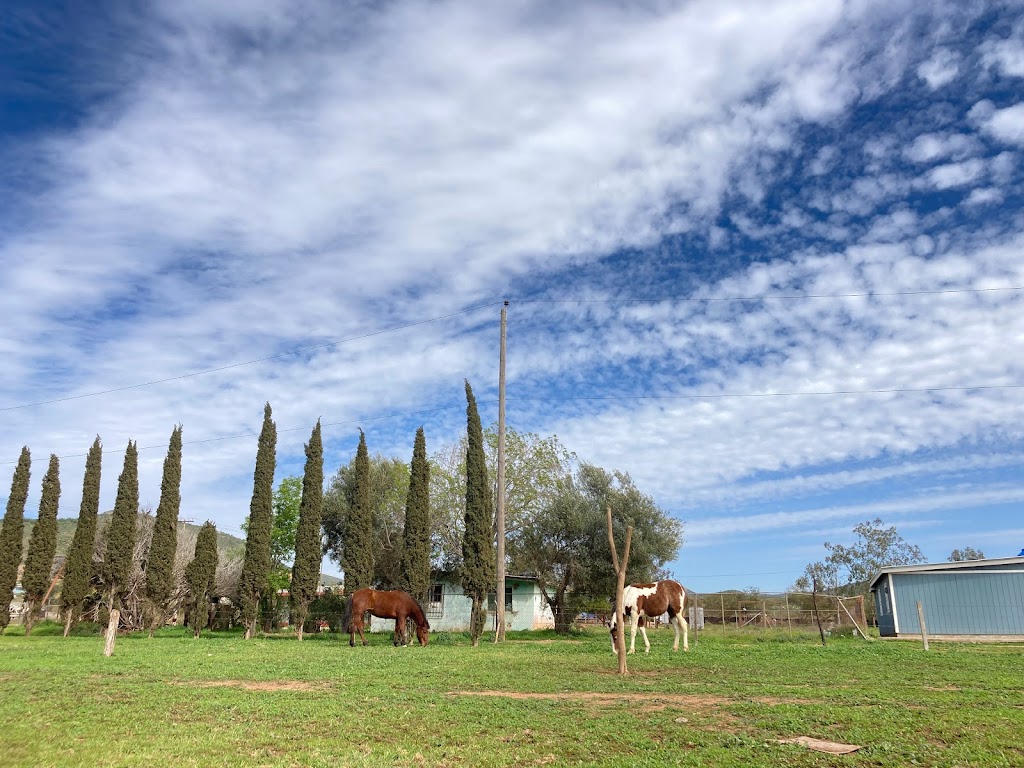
[767,257]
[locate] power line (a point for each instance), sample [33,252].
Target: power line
[248,362]
[439,409]
[240,435]
[723,395]
[709,300]
[679,299]
[723,575]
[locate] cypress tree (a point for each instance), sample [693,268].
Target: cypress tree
[42,545]
[117,559]
[78,565]
[308,537]
[357,561]
[200,576]
[478,565]
[160,563]
[415,569]
[11,533]
[256,566]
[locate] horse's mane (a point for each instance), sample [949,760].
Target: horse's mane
[418,614]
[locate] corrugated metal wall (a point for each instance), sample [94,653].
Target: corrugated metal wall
[964,602]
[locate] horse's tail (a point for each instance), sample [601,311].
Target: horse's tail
[346,620]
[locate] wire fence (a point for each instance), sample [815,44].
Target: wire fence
[448,609]
[791,610]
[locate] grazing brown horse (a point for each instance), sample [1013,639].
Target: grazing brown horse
[396,604]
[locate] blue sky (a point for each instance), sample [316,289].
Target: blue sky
[765,257]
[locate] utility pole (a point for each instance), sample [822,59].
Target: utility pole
[499,633]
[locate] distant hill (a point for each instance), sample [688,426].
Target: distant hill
[226,543]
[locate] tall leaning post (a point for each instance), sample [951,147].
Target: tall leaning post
[620,586]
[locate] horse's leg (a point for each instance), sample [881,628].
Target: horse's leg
[632,630]
[686,632]
[358,624]
[674,618]
[643,631]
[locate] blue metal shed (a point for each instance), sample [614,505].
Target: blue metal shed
[969,600]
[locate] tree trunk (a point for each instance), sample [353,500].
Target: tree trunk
[108,643]
[620,585]
[814,604]
[477,620]
[563,619]
[30,616]
[68,621]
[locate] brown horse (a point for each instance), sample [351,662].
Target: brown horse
[396,604]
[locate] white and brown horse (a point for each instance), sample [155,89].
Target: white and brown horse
[640,601]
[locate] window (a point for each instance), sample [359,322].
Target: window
[435,601]
[883,601]
[492,603]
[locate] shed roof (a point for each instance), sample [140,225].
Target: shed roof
[960,564]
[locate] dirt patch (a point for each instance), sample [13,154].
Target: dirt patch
[662,699]
[653,702]
[255,685]
[549,641]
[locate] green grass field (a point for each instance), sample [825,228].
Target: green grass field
[537,699]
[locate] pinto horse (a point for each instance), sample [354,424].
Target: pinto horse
[396,604]
[640,601]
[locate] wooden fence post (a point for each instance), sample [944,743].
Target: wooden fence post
[111,636]
[924,629]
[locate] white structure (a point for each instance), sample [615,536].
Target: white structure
[448,609]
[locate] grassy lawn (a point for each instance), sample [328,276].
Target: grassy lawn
[535,700]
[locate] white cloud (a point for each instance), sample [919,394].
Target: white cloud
[705,531]
[955,174]
[1007,124]
[984,196]
[929,147]
[1007,56]
[941,69]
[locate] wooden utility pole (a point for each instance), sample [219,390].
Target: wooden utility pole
[620,586]
[499,632]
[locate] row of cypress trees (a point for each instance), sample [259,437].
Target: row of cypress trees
[478,571]
[357,562]
[357,555]
[120,545]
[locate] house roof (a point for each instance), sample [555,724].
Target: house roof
[960,564]
[439,574]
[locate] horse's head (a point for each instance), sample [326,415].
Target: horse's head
[423,632]
[614,621]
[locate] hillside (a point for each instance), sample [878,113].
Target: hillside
[226,543]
